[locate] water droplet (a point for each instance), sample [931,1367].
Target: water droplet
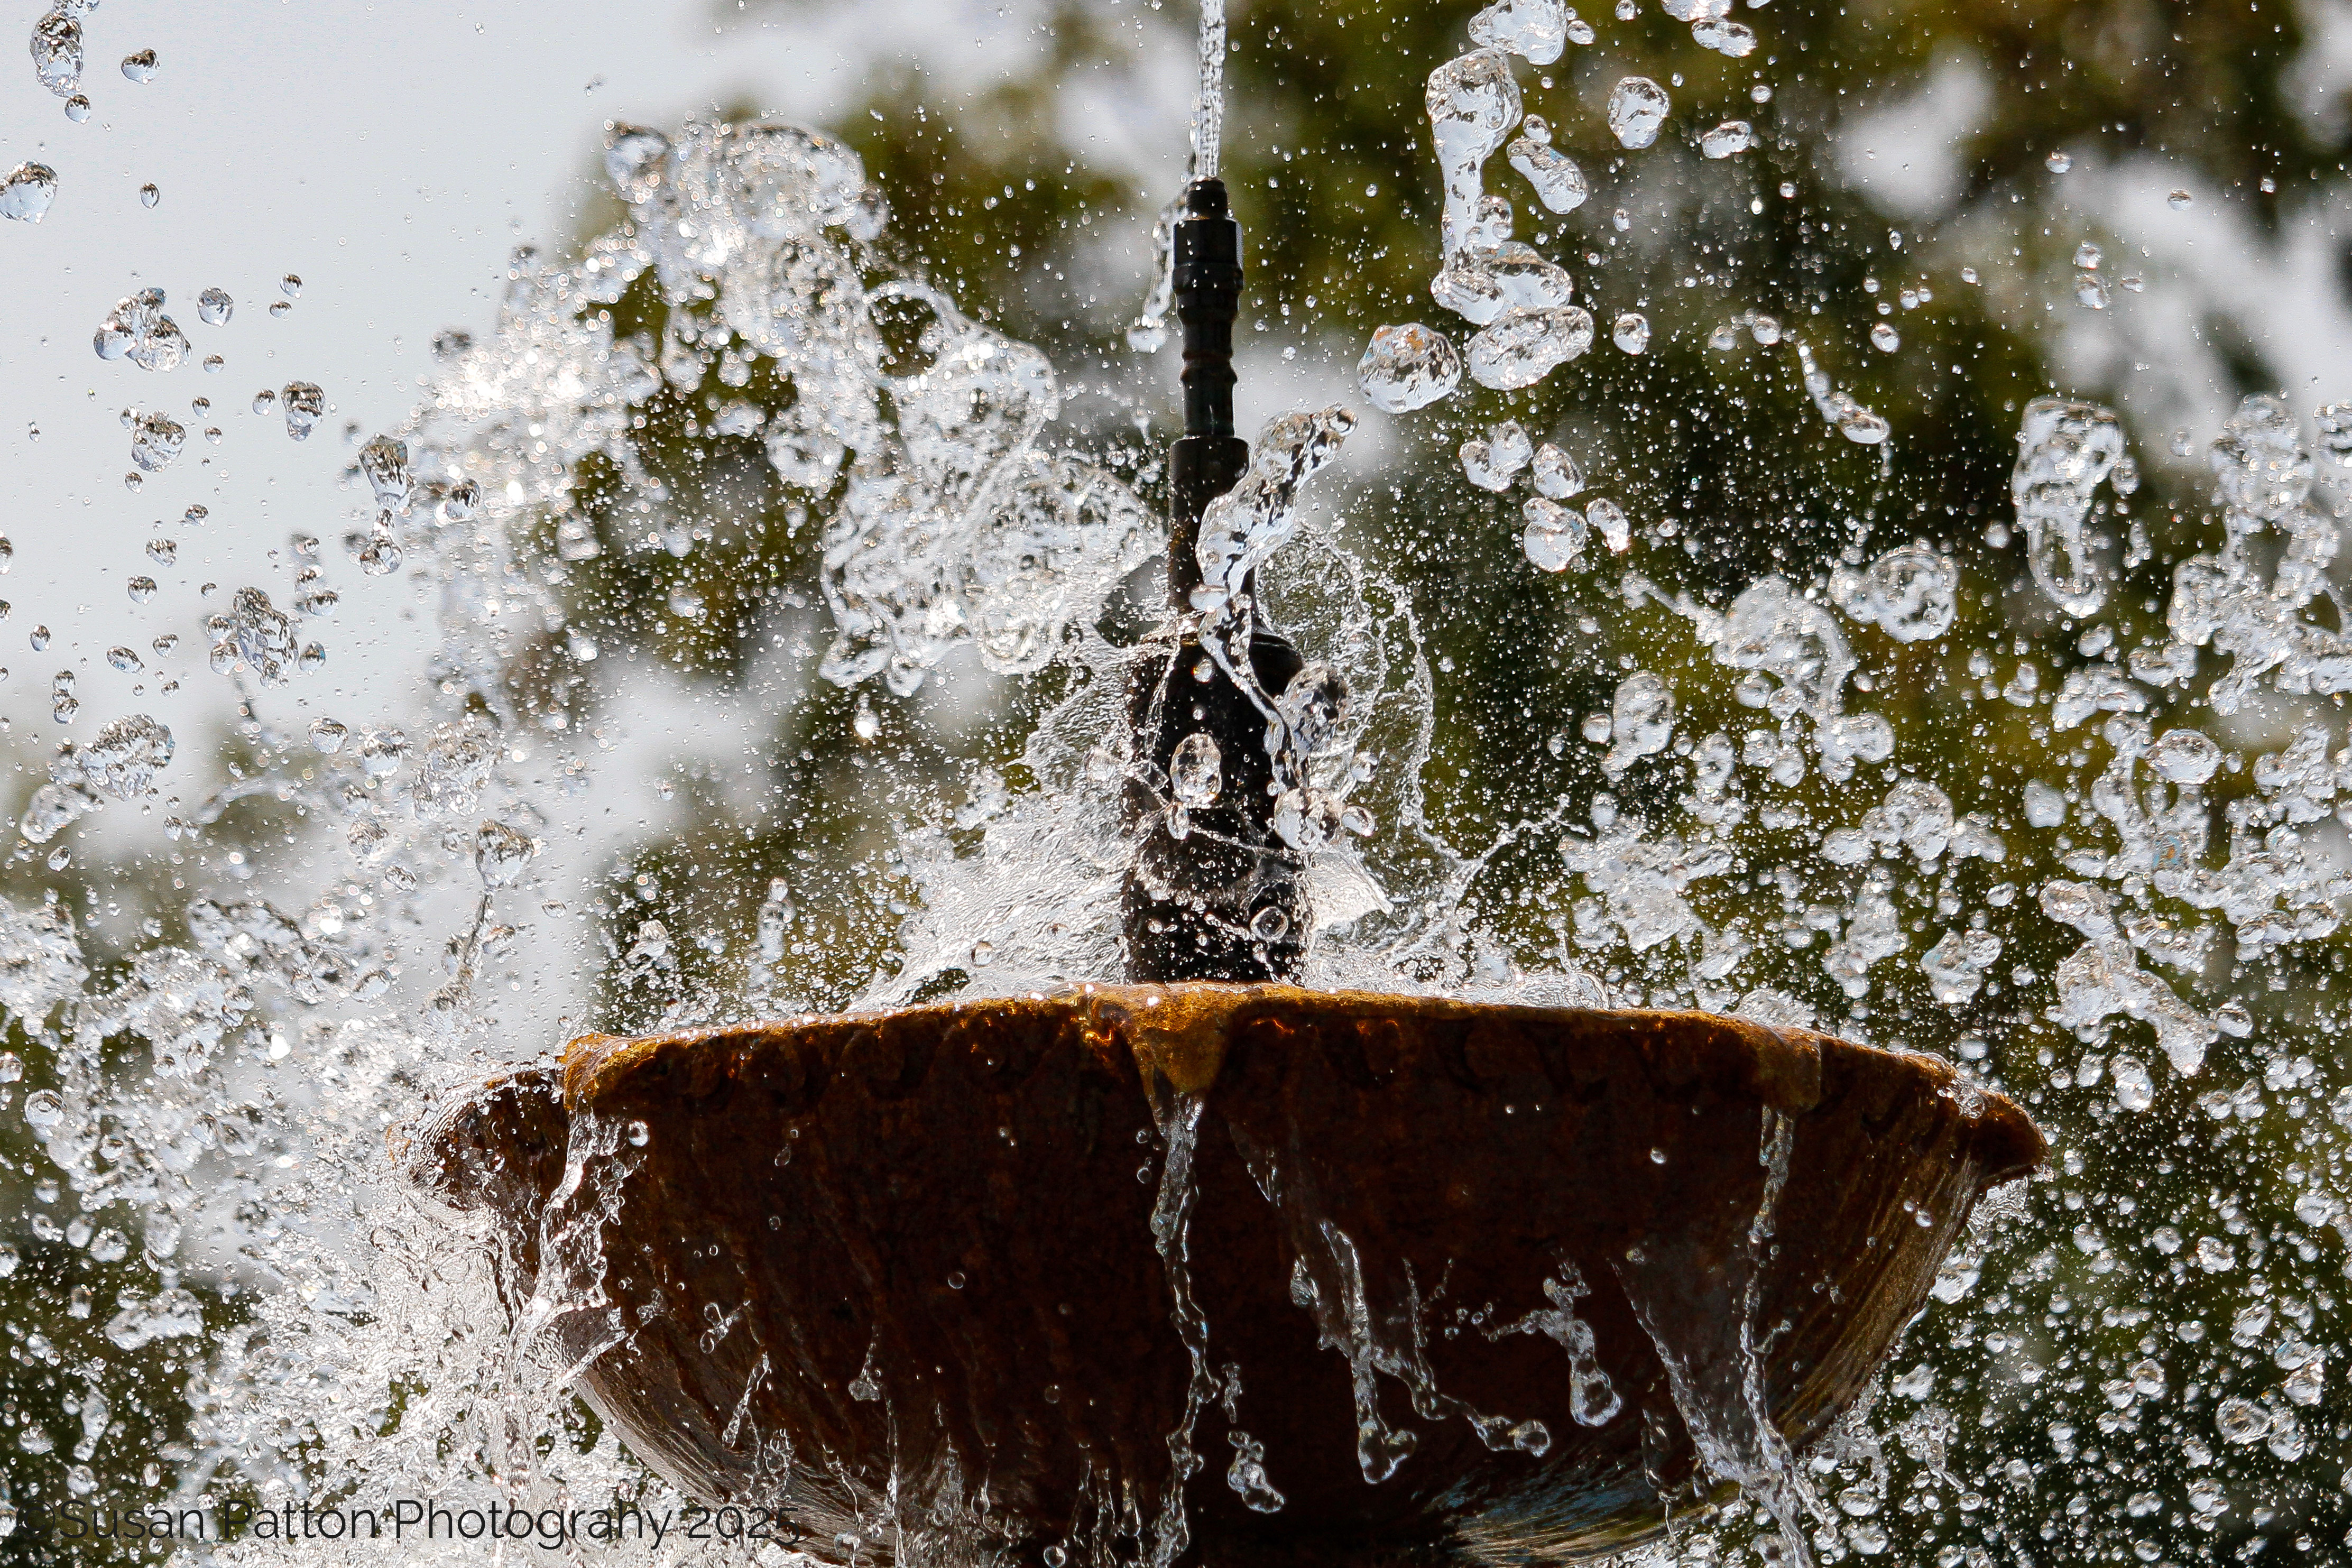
[500,853]
[463,502]
[1911,593]
[279,309]
[124,658]
[1554,535]
[1606,516]
[384,463]
[380,752]
[137,329]
[2134,1090]
[1522,346]
[1555,474]
[1408,367]
[1631,332]
[305,404]
[148,194]
[1491,461]
[142,589]
[2059,163]
[327,735]
[120,763]
[1731,137]
[1885,338]
[2179,200]
[140,66]
[1558,184]
[254,635]
[27,191]
[1535,30]
[58,53]
[155,441]
[77,108]
[1641,721]
[214,307]
[2239,1420]
[40,638]
[1196,771]
[1734,39]
[290,286]
[1480,285]
[1854,422]
[1637,109]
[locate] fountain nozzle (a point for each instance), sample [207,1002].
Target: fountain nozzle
[1208,458]
[1215,892]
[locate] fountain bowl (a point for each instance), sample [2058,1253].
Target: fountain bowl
[893,1272]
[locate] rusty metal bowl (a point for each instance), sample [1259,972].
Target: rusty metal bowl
[905,1264]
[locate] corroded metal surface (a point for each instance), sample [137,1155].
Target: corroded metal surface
[947,1211]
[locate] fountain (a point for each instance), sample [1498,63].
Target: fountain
[1479,1003]
[894,1273]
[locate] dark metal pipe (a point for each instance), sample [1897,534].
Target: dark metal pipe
[1208,459]
[1224,898]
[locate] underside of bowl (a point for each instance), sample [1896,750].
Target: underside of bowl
[1383,1278]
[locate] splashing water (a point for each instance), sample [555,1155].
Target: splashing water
[1756,829]
[1473,102]
[2064,451]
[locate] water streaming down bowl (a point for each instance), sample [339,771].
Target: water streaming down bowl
[902,1267]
